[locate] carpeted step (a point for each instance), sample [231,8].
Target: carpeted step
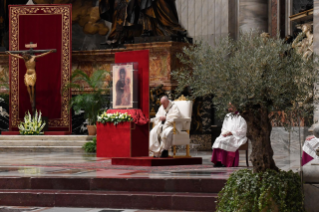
[115,184]
[47,137]
[110,199]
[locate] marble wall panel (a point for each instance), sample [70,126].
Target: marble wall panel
[224,17]
[191,17]
[274,18]
[253,14]
[217,19]
[204,20]
[211,22]
[198,19]
[183,13]
[316,46]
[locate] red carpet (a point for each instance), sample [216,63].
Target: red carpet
[150,161]
[45,133]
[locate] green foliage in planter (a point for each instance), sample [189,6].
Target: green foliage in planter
[31,125]
[90,146]
[114,118]
[93,101]
[5,97]
[253,192]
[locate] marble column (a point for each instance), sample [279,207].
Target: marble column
[316,50]
[245,15]
[274,17]
[253,14]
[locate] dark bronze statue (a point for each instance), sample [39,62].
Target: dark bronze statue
[134,18]
[4,20]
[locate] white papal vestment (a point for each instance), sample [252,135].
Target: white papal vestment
[238,127]
[161,135]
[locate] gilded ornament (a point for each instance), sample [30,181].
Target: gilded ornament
[64,11]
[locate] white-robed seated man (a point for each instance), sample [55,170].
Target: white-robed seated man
[310,147]
[161,135]
[233,135]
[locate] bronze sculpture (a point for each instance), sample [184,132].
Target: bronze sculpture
[30,77]
[134,18]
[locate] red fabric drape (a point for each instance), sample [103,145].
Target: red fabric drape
[45,30]
[137,115]
[48,26]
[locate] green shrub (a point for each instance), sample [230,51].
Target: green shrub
[5,97]
[90,146]
[265,191]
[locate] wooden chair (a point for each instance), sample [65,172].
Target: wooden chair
[245,147]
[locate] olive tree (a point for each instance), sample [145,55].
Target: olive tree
[258,75]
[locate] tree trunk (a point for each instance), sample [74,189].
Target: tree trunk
[258,132]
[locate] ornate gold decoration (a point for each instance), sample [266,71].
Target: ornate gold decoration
[64,11]
[181,98]
[174,128]
[174,150]
[187,151]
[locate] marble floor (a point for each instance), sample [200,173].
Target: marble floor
[60,209]
[87,165]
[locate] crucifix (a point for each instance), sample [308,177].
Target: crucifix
[29,58]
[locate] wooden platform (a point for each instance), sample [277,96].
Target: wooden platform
[150,161]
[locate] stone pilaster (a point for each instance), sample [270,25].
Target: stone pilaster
[316,49]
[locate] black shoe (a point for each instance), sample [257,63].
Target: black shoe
[218,164]
[164,154]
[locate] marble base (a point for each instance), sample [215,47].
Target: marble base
[311,171]
[311,192]
[204,142]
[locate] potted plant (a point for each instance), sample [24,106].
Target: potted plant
[91,100]
[266,80]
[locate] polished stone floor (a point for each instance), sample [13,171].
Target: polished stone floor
[87,165]
[57,209]
[287,157]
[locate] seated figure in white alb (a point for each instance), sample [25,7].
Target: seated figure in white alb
[161,135]
[233,135]
[310,146]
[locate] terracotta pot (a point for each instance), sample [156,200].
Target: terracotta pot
[91,129]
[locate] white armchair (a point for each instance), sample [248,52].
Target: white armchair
[182,125]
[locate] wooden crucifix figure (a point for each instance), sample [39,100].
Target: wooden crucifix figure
[30,77]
